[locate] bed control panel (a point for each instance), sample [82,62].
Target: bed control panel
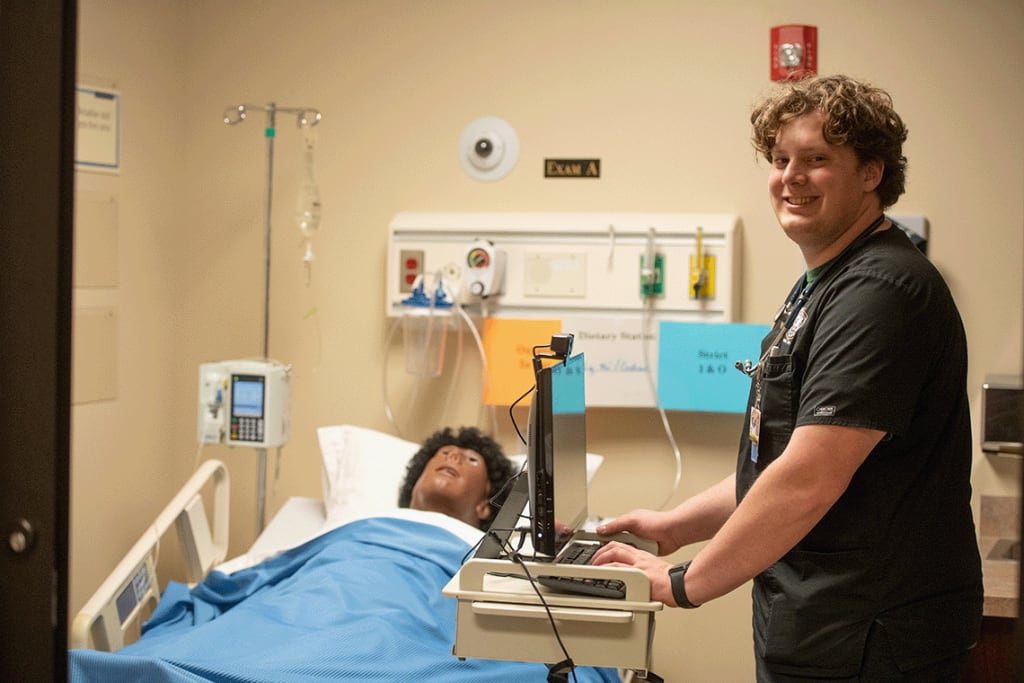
[133,594]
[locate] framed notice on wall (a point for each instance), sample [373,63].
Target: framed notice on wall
[98,132]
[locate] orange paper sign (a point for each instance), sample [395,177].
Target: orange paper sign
[508,346]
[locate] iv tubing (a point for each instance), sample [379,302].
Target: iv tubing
[425,348]
[664,417]
[645,325]
[483,363]
[452,296]
[384,378]
[389,413]
[455,378]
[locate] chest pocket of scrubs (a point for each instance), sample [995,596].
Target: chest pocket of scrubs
[778,407]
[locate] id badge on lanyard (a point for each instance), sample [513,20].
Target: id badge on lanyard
[795,316]
[756,373]
[755,431]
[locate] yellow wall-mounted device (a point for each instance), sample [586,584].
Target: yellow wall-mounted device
[702,271]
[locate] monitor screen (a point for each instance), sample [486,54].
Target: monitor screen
[247,395]
[557,455]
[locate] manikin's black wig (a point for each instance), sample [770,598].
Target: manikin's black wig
[499,468]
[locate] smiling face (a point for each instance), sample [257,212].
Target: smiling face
[454,482]
[822,194]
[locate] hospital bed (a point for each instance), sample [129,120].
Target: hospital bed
[340,588]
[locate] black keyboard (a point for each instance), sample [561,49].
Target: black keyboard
[581,553]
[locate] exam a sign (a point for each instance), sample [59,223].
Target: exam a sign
[572,168]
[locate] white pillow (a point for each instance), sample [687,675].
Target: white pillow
[362,471]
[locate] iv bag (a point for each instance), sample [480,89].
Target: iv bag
[308,213]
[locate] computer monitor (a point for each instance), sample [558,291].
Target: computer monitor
[556,452]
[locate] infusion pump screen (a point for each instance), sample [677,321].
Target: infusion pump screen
[247,407]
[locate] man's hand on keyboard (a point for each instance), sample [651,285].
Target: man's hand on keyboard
[617,554]
[657,526]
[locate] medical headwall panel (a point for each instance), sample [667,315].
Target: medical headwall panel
[557,264]
[609,278]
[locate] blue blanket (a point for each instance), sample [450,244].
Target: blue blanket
[360,603]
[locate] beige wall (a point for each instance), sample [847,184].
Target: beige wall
[659,91]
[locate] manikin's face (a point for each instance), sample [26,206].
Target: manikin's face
[454,482]
[820,192]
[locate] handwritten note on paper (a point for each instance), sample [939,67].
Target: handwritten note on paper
[615,355]
[507,345]
[697,365]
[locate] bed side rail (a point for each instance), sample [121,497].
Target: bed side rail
[120,601]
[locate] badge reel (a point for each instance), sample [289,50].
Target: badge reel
[754,428]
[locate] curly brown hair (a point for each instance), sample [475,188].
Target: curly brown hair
[855,113]
[499,468]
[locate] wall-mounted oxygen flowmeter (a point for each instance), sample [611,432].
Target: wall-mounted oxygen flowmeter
[485,269]
[244,403]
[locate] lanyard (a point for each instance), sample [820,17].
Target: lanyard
[798,298]
[795,303]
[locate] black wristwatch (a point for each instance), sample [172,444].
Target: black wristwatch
[676,575]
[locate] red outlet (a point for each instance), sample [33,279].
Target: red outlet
[794,52]
[412,266]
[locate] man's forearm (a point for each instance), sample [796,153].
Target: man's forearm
[787,501]
[699,517]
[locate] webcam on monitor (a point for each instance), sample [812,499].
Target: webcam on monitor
[561,345]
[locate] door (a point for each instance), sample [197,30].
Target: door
[37,76]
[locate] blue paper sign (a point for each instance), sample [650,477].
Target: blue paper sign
[696,365]
[568,386]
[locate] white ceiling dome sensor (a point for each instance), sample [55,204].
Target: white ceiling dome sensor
[488,148]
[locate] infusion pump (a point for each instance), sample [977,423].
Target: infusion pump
[245,403]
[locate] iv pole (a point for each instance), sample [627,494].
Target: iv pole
[305,117]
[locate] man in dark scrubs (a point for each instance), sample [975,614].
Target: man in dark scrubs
[851,504]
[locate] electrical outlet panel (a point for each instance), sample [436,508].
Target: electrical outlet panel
[410,266]
[563,263]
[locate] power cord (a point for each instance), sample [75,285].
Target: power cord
[512,416]
[566,665]
[556,672]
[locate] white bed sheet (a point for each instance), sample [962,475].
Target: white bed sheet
[302,519]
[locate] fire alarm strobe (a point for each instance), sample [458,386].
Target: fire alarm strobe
[794,51]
